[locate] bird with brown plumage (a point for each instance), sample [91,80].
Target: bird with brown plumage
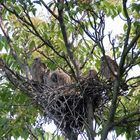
[38,69]
[109,70]
[92,74]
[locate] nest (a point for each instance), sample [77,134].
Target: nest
[67,106]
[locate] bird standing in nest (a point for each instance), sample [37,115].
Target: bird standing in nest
[57,78]
[92,74]
[38,70]
[60,77]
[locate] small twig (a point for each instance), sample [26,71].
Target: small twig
[125,119]
[124,108]
[133,78]
[31,133]
[51,12]
[112,42]
[87,58]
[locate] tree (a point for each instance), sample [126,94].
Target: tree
[69,38]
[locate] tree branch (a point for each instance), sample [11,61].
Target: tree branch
[65,37]
[51,12]
[13,52]
[112,111]
[125,120]
[125,49]
[36,33]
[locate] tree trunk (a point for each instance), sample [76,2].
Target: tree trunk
[90,113]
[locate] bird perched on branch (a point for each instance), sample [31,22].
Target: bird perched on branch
[109,68]
[38,70]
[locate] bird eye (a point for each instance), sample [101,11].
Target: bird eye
[36,59]
[102,58]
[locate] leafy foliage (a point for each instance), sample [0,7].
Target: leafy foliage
[69,36]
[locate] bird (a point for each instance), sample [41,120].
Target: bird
[108,68]
[56,78]
[60,77]
[38,69]
[92,74]
[48,82]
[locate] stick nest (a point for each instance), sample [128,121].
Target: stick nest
[67,106]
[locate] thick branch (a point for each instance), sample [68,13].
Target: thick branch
[132,43]
[125,49]
[120,73]
[117,82]
[90,114]
[67,44]
[111,112]
[128,23]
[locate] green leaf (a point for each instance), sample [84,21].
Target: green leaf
[136,7]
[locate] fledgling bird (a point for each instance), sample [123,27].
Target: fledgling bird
[92,74]
[108,69]
[56,78]
[38,70]
[60,77]
[47,80]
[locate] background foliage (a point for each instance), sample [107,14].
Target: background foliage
[26,35]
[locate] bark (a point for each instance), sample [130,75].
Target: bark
[110,120]
[90,111]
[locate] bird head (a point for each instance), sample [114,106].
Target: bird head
[37,59]
[103,58]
